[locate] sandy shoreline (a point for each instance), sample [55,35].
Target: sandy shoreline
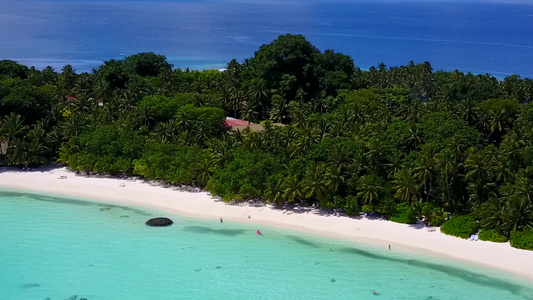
[380,233]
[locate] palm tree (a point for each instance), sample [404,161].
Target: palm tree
[518,214]
[75,125]
[336,129]
[206,169]
[300,146]
[405,185]
[147,116]
[35,153]
[169,130]
[492,214]
[501,170]
[258,93]
[279,109]
[298,112]
[68,75]
[249,112]
[424,173]
[334,177]
[476,168]
[16,153]
[376,151]
[446,165]
[274,192]
[314,184]
[12,127]
[292,188]
[524,189]
[394,164]
[368,190]
[252,141]
[469,111]
[415,137]
[102,91]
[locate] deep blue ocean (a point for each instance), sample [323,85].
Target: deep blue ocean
[473,36]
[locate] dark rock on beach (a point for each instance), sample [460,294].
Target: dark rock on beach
[159,222]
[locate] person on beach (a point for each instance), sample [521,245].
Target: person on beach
[389,247]
[222,221]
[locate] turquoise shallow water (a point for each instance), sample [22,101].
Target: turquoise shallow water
[56,248]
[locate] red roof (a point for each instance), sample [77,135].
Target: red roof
[70,98]
[236,122]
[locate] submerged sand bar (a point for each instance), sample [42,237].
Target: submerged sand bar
[381,233]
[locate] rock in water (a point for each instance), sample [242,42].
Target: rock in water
[159,222]
[30,286]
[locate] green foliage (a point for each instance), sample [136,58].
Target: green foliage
[244,176]
[403,214]
[289,56]
[104,150]
[34,104]
[434,214]
[349,204]
[364,105]
[207,122]
[441,127]
[115,74]
[492,235]
[12,69]
[398,136]
[461,226]
[164,108]
[368,208]
[522,240]
[148,64]
[176,164]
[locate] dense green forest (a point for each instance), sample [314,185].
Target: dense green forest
[404,142]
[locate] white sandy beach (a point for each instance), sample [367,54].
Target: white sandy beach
[381,233]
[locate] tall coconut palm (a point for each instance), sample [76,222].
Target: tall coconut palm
[334,177]
[205,171]
[518,214]
[12,127]
[524,189]
[314,183]
[424,173]
[368,190]
[292,188]
[405,185]
[501,170]
[274,192]
[492,214]
[446,164]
